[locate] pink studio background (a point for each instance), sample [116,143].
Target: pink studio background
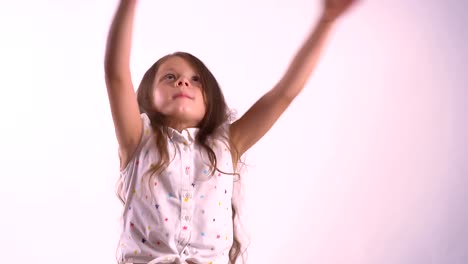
[369,164]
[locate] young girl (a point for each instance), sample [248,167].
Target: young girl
[179,151]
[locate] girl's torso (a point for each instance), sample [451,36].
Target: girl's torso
[182,214]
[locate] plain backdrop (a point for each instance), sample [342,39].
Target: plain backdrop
[368,165]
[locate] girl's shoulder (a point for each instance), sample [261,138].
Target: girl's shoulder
[146,141]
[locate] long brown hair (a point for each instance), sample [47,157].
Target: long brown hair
[217,113]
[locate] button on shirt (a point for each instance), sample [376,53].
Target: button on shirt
[182,214]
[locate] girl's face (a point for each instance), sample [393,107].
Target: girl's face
[178,93]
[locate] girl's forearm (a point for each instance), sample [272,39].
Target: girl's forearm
[305,60]
[119,40]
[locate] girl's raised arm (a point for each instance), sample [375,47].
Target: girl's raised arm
[246,131]
[122,98]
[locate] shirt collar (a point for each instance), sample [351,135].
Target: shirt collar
[186,136]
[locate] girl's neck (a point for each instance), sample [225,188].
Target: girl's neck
[180,125]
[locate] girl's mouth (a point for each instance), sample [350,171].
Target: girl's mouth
[182,95]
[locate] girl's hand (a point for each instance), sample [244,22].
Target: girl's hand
[332,9]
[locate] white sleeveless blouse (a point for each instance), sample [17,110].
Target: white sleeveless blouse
[184,213]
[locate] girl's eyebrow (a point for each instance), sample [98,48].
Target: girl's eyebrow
[168,70]
[172,70]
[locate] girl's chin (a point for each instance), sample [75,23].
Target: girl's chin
[183,116]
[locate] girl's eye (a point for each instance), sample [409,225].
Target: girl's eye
[196,78]
[170,76]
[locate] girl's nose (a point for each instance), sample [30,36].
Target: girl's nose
[182,82]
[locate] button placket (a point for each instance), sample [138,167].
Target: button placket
[185,146]
[186,194]
[186,207]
